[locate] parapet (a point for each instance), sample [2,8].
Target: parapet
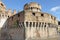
[11,13]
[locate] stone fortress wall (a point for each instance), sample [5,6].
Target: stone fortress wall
[32,27]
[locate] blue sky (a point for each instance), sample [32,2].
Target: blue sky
[49,6]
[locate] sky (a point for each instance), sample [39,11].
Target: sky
[49,6]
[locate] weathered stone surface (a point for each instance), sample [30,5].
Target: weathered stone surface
[30,24]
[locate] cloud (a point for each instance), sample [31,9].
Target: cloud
[54,9]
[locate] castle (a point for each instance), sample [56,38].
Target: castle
[30,24]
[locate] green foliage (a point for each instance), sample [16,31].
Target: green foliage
[15,25]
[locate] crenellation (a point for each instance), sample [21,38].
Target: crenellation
[14,12]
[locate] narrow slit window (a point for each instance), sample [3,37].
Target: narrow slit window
[33,24]
[27,24]
[36,24]
[45,26]
[30,24]
[39,24]
[31,8]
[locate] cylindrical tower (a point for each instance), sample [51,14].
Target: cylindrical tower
[34,7]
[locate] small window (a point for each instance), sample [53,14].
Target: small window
[1,4]
[33,14]
[37,8]
[58,23]
[8,16]
[42,14]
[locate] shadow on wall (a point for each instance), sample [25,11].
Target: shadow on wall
[13,31]
[4,33]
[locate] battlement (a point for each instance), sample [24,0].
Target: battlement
[11,13]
